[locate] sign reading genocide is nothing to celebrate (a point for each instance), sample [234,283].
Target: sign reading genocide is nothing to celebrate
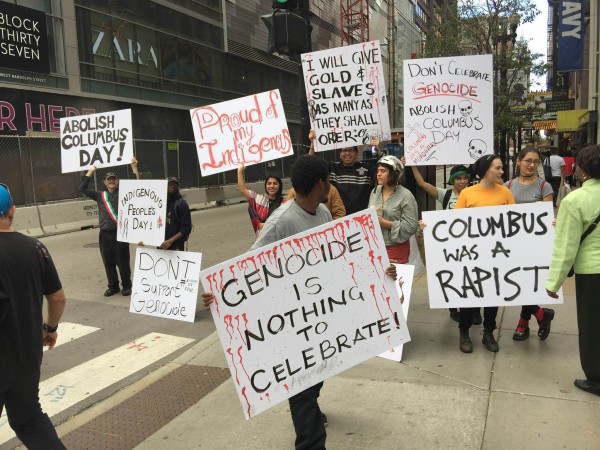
[347,100]
[165,283]
[247,130]
[142,211]
[448,109]
[491,256]
[99,140]
[295,312]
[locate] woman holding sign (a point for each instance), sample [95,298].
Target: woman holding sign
[259,206]
[529,188]
[489,192]
[396,209]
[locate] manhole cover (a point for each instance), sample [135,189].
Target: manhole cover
[92,245]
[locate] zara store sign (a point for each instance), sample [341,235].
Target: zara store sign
[126,50]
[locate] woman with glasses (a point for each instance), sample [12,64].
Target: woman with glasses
[528,187]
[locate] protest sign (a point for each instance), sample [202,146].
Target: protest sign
[490,256]
[347,100]
[247,130]
[142,211]
[448,109]
[165,283]
[404,285]
[99,140]
[295,312]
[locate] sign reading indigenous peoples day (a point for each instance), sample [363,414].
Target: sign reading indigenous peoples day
[247,130]
[142,211]
[295,312]
[448,109]
[491,256]
[165,283]
[99,140]
[346,95]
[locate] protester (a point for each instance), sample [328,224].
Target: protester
[310,179]
[352,178]
[114,253]
[179,220]
[569,160]
[27,274]
[557,164]
[529,188]
[334,202]
[396,209]
[259,206]
[488,192]
[577,246]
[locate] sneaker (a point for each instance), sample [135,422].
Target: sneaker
[126,292]
[521,333]
[111,291]
[477,318]
[455,315]
[489,341]
[544,324]
[324,420]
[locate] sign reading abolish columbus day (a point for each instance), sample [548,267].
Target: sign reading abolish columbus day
[346,95]
[100,140]
[165,283]
[247,130]
[448,109]
[142,211]
[492,256]
[300,310]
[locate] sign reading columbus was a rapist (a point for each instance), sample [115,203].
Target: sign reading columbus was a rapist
[295,312]
[142,211]
[247,130]
[489,256]
[99,140]
[347,100]
[448,109]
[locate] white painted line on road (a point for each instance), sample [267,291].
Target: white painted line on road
[68,332]
[70,387]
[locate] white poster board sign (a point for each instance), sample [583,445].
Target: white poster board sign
[99,140]
[448,109]
[303,309]
[247,130]
[489,256]
[404,285]
[142,211]
[347,100]
[165,283]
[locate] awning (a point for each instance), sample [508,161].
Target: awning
[569,120]
[544,124]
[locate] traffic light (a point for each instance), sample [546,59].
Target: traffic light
[285,4]
[288,32]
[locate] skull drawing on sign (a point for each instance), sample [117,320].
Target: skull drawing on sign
[465,107]
[477,148]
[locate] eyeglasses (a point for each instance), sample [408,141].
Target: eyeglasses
[529,162]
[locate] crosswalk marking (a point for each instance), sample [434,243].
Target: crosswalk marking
[70,387]
[70,331]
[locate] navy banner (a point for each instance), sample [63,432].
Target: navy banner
[570,35]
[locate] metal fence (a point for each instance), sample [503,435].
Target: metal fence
[31,167]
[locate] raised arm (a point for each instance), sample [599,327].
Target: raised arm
[312,136]
[85,183]
[134,168]
[429,188]
[241,183]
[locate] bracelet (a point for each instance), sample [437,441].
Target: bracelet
[49,329]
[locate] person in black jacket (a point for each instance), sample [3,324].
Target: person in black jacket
[114,253]
[179,220]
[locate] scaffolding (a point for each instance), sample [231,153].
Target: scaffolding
[354,21]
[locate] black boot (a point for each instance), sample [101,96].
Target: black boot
[488,340]
[465,341]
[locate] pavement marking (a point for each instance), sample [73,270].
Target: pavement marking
[70,331]
[70,387]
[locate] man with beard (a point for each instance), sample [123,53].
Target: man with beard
[179,220]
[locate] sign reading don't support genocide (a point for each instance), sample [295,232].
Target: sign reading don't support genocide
[492,256]
[99,140]
[448,109]
[247,130]
[303,309]
[347,100]
[142,211]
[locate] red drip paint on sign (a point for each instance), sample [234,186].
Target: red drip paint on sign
[239,352]
[375,298]
[228,321]
[237,380]
[246,398]
[353,269]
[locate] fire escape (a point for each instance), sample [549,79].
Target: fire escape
[354,21]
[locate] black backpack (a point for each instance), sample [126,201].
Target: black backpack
[446,200]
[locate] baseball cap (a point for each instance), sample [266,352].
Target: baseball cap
[6,200]
[110,175]
[174,179]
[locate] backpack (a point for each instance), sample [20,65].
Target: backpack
[446,200]
[547,168]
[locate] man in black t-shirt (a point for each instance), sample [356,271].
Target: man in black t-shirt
[27,274]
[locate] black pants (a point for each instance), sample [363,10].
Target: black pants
[528,310]
[587,292]
[489,317]
[115,254]
[555,183]
[308,420]
[25,416]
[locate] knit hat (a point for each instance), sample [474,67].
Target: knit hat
[6,200]
[482,165]
[457,171]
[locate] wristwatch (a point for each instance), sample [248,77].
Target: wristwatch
[49,329]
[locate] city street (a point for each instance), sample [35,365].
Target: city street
[120,380]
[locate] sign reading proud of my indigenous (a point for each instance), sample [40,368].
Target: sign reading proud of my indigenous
[347,100]
[448,109]
[295,312]
[492,256]
[247,130]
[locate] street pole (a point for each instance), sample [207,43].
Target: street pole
[304,12]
